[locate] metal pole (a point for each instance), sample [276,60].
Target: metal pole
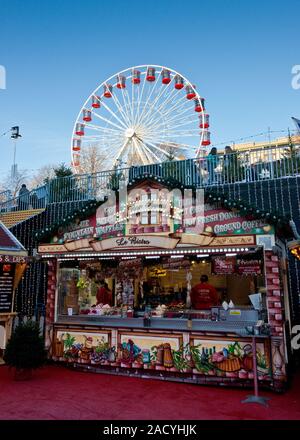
[255,398]
[270,155]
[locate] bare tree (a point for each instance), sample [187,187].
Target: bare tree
[43,174]
[13,182]
[91,160]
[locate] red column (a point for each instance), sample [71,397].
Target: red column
[51,287]
[274,293]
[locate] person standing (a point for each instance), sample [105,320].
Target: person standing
[108,295]
[204,295]
[104,295]
[23,201]
[212,163]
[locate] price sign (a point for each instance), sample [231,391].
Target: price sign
[224,265]
[6,286]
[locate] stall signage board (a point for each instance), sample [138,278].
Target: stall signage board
[52,248]
[226,222]
[157,272]
[7,271]
[135,242]
[249,267]
[12,259]
[234,240]
[101,232]
[76,230]
[223,265]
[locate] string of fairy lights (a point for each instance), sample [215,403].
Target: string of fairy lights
[244,197]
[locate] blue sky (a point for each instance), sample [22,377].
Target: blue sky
[238,53]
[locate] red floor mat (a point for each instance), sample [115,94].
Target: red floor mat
[58,393]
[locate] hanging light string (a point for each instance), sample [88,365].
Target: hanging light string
[232,141]
[296,262]
[5,133]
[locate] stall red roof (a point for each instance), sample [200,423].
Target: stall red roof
[9,245]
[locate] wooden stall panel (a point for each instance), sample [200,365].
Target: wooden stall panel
[149,351]
[83,347]
[229,358]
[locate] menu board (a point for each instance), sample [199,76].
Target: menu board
[6,286]
[223,265]
[249,266]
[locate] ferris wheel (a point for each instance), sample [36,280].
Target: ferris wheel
[139,116]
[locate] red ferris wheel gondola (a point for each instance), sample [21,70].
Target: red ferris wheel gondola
[150,76]
[190,93]
[79,130]
[204,121]
[199,105]
[179,82]
[136,76]
[76,145]
[76,160]
[87,115]
[107,90]
[166,76]
[206,138]
[121,81]
[95,101]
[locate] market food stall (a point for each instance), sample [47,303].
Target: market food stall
[12,266]
[147,254]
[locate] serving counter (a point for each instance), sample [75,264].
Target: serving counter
[195,350]
[182,324]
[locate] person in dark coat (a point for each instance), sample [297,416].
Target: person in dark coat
[23,201]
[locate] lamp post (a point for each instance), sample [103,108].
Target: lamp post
[15,134]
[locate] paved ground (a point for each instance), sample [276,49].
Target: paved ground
[57,393]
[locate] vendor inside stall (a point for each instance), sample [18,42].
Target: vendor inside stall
[88,285]
[204,295]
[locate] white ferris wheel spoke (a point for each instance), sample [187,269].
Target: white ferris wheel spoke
[132,100]
[173,144]
[151,90]
[113,114]
[107,120]
[177,105]
[170,119]
[120,108]
[165,153]
[147,115]
[119,105]
[140,95]
[184,122]
[146,151]
[152,154]
[165,110]
[100,128]
[140,152]
[122,149]
[128,105]
[172,95]
[159,93]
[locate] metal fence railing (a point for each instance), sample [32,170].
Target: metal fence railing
[209,171]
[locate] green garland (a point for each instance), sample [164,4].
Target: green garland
[86,211]
[170,182]
[279,221]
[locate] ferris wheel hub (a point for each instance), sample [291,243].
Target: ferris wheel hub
[130,132]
